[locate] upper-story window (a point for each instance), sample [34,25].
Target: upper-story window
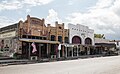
[66,40]
[60,27]
[52,38]
[60,39]
[24,36]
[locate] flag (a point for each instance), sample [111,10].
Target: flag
[34,47]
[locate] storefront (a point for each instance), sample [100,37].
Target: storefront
[43,48]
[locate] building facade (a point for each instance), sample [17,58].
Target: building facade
[8,39]
[105,46]
[80,34]
[81,41]
[46,38]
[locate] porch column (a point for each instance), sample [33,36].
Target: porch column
[58,53]
[39,51]
[66,51]
[29,52]
[77,51]
[47,50]
[72,51]
[63,54]
[88,50]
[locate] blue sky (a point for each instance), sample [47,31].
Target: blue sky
[63,7]
[101,15]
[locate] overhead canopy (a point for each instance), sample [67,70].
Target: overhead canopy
[39,41]
[106,44]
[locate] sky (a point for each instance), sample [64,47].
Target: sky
[101,15]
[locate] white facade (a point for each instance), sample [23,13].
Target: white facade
[82,31]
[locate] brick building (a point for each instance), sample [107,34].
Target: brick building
[46,38]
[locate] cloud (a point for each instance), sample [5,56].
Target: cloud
[104,18]
[36,2]
[5,21]
[52,17]
[18,4]
[70,2]
[28,10]
[10,5]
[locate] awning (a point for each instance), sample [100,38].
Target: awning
[39,41]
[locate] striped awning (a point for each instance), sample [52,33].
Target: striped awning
[39,41]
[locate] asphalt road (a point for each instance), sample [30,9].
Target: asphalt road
[101,65]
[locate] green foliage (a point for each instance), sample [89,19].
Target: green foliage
[99,36]
[16,56]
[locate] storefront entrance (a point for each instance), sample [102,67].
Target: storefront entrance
[44,48]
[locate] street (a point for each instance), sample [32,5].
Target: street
[100,65]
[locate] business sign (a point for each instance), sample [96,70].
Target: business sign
[8,34]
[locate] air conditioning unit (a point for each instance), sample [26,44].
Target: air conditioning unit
[34,58]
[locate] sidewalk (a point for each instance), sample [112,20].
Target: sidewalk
[7,61]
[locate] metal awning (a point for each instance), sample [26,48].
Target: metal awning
[39,41]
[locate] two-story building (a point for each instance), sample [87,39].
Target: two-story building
[45,37]
[81,40]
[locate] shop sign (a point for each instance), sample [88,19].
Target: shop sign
[8,34]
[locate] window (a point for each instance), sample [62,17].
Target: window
[60,28]
[29,37]
[60,39]
[37,37]
[66,40]
[33,37]
[24,36]
[52,38]
[44,38]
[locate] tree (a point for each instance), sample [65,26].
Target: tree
[99,36]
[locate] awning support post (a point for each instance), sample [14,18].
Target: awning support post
[29,51]
[77,51]
[39,51]
[72,51]
[66,50]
